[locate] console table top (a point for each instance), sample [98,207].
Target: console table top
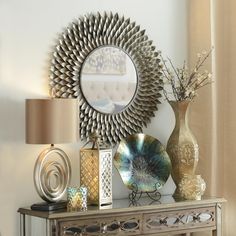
[126,206]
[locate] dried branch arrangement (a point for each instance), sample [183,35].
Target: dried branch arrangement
[184,82]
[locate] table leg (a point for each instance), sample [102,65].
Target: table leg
[22,225]
[51,228]
[218,231]
[48,228]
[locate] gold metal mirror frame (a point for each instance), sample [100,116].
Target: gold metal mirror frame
[79,39]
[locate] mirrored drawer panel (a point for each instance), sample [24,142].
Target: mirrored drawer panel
[179,220]
[119,225]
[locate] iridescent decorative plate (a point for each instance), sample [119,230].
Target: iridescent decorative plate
[142,162]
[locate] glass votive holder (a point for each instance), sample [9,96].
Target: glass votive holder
[77,198]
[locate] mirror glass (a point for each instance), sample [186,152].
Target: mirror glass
[108,79]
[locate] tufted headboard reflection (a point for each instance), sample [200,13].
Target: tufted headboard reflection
[116,91]
[109,95]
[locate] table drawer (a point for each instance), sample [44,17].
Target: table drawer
[179,220]
[114,225]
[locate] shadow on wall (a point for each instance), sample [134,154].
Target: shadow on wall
[12,110]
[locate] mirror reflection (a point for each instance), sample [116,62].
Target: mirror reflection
[108,79]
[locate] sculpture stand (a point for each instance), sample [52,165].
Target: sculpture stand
[135,196]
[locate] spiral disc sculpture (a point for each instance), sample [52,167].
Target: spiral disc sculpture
[52,174]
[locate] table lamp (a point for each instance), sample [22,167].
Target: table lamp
[51,121]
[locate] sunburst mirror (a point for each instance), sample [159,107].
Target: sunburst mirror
[110,65]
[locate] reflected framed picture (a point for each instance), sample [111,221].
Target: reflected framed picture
[106,61]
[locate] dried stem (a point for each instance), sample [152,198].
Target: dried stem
[204,85]
[187,84]
[177,74]
[198,66]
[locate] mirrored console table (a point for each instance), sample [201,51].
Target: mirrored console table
[143,217]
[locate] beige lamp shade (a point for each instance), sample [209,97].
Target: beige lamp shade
[50,121]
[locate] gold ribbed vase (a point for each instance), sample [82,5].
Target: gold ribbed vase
[182,146]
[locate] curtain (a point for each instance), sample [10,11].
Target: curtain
[213,114]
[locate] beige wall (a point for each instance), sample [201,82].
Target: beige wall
[28,30]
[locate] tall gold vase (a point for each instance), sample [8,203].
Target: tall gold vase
[182,146]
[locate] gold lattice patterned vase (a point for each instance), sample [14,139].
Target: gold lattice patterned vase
[182,146]
[96,175]
[77,198]
[192,187]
